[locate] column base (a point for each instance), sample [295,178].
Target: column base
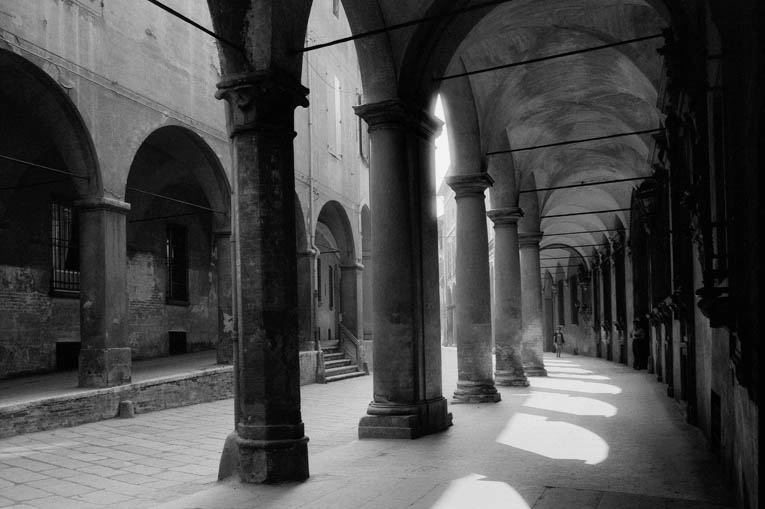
[389,420]
[265,461]
[476,392]
[510,379]
[104,367]
[535,371]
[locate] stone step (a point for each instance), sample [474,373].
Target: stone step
[337,378]
[333,356]
[330,345]
[336,363]
[351,368]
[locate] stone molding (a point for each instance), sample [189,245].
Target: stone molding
[396,114]
[529,239]
[262,101]
[469,185]
[103,203]
[505,216]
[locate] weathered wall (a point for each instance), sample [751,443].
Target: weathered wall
[71,410]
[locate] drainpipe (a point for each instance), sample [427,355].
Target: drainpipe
[320,377]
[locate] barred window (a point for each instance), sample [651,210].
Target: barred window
[65,247]
[177,264]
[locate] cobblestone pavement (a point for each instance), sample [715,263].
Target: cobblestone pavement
[592,434]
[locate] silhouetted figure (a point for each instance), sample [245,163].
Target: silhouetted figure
[558,341]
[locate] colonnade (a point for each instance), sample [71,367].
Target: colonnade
[407,402]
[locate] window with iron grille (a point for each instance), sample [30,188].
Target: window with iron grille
[177,265]
[65,248]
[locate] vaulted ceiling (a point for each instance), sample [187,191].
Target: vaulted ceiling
[586,95]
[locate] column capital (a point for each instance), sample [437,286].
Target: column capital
[467,185]
[396,114]
[505,216]
[261,100]
[103,203]
[528,239]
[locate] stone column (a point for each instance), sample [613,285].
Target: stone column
[105,358]
[223,255]
[567,304]
[408,400]
[531,305]
[547,315]
[507,298]
[613,330]
[472,295]
[269,444]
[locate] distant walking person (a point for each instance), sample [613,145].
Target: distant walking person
[558,341]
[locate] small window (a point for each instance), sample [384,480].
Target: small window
[65,244]
[336,8]
[177,265]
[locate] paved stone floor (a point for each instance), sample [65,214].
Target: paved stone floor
[593,434]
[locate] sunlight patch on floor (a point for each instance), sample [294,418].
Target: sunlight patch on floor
[574,405]
[561,384]
[567,369]
[475,491]
[553,439]
[583,377]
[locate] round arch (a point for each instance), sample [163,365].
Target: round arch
[57,136]
[178,247]
[48,162]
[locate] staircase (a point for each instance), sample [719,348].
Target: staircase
[338,365]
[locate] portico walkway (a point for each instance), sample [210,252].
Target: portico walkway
[593,434]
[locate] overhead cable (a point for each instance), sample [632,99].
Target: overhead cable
[549,57]
[582,184]
[584,213]
[196,25]
[74,175]
[569,142]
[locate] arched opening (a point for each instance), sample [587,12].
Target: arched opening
[178,254]
[338,280]
[47,163]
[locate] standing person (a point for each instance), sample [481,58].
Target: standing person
[638,346]
[558,341]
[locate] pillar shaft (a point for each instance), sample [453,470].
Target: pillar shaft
[408,400]
[223,263]
[270,441]
[472,293]
[531,305]
[507,298]
[105,358]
